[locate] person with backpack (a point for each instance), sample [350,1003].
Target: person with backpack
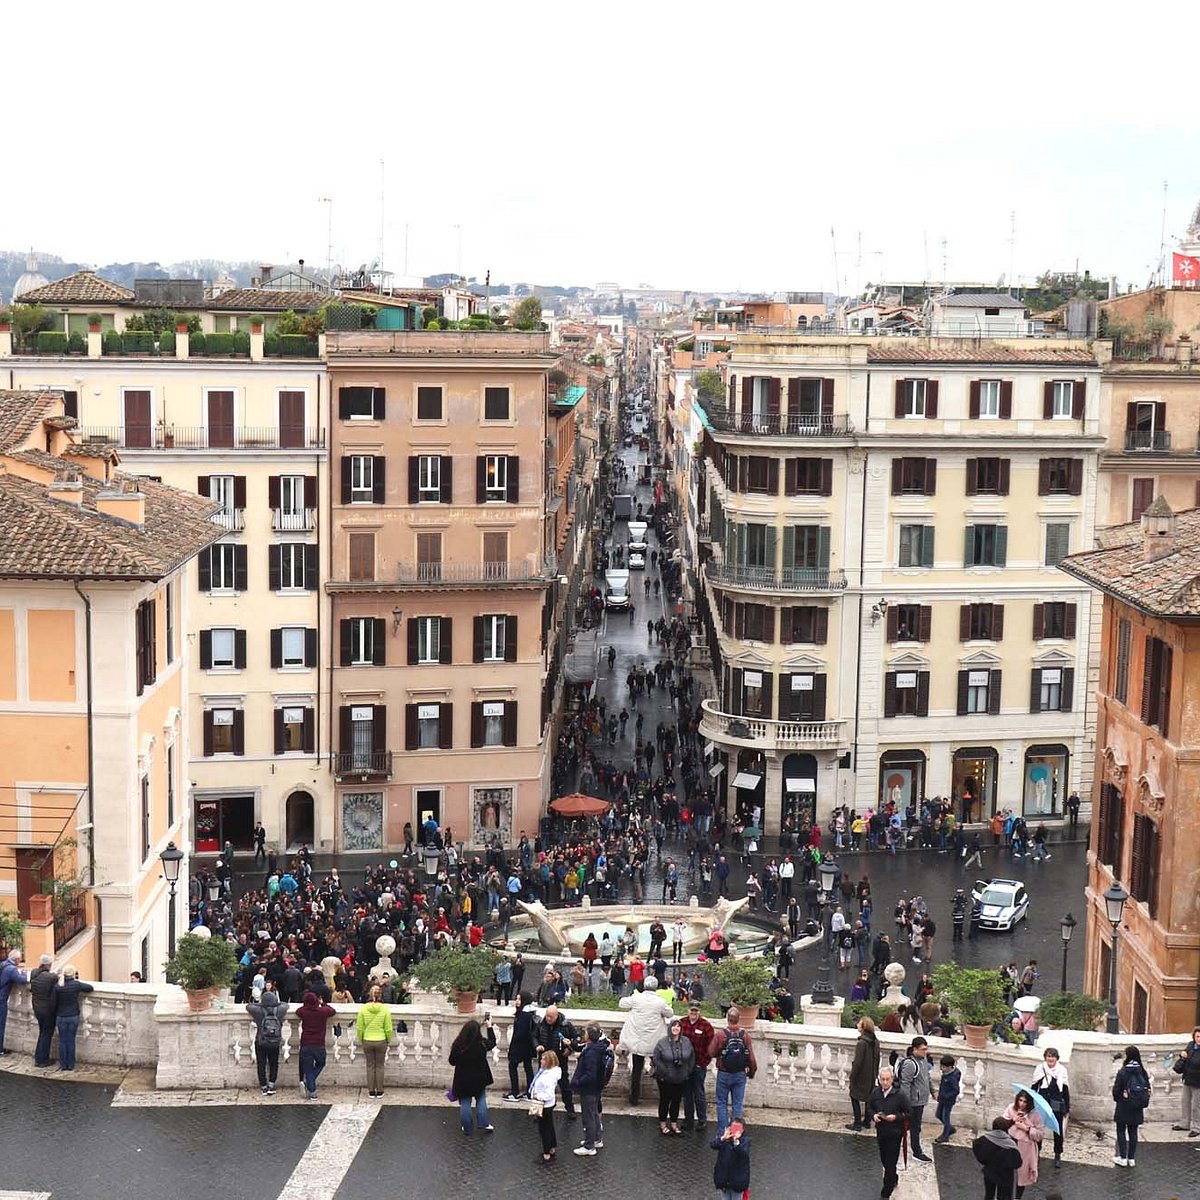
[375,1031]
[912,1077]
[1131,1095]
[646,1023]
[267,1015]
[592,1071]
[733,1053]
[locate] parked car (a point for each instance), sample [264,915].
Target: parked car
[1003,902]
[637,560]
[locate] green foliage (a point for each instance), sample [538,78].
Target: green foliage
[94,318]
[558,379]
[710,386]
[975,996]
[745,982]
[137,341]
[110,343]
[296,345]
[159,320]
[1157,326]
[218,344]
[1071,1010]
[12,931]
[241,342]
[166,342]
[687,345]
[29,320]
[5,316]
[197,343]
[201,963]
[258,319]
[527,314]
[76,344]
[288,322]
[429,314]
[854,1012]
[434,324]
[52,341]
[456,969]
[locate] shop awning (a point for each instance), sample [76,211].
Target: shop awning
[716,769]
[746,779]
[801,785]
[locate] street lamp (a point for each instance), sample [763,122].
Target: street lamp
[171,859]
[822,990]
[432,857]
[1066,929]
[1114,904]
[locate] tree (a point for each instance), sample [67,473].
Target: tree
[28,320]
[12,931]
[709,386]
[527,314]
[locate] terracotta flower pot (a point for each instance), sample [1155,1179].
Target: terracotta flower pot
[466,1001]
[201,1000]
[181,327]
[977,1036]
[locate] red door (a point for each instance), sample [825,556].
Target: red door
[137,420]
[291,420]
[220,420]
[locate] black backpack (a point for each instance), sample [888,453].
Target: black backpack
[735,1056]
[270,1033]
[1137,1088]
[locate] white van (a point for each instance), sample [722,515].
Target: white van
[637,537]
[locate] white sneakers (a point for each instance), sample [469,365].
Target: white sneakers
[1123,1162]
[585,1151]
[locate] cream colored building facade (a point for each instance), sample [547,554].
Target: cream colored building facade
[883,518]
[251,433]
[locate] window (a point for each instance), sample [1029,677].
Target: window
[1156,684]
[223,568]
[802,697]
[169,606]
[222,649]
[363,641]
[491,729]
[916,546]
[495,639]
[362,478]
[914,397]
[1111,823]
[224,731]
[808,476]
[754,622]
[906,694]
[981,622]
[804,623]
[430,640]
[1063,391]
[221,489]
[145,798]
[293,567]
[362,557]
[978,692]
[1054,619]
[986,546]
[429,404]
[361,403]
[429,478]
[1143,873]
[909,622]
[1146,425]
[762,474]
[293,730]
[362,739]
[293,498]
[1121,676]
[1058,542]
[71,404]
[429,726]
[987,476]
[756,694]
[1060,477]
[170,784]
[1143,497]
[495,555]
[989,398]
[1051,689]
[496,405]
[147,667]
[293,646]
[429,555]
[914,476]
[495,477]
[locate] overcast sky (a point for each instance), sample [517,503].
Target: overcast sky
[677,145]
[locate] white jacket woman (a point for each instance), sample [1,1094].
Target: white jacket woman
[647,1020]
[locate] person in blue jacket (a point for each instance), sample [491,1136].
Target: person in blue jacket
[731,1174]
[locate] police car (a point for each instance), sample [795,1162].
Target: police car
[1002,903]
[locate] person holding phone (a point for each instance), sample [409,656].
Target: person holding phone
[888,1109]
[731,1173]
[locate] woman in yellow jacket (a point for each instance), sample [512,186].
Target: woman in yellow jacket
[375,1031]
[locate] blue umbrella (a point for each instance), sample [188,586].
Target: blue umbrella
[1043,1107]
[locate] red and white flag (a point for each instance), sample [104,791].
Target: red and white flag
[1185,269]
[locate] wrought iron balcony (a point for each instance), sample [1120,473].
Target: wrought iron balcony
[475,574]
[797,425]
[1146,439]
[232,519]
[769,579]
[184,437]
[763,734]
[371,764]
[286,520]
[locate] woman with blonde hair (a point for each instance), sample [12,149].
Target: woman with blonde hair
[375,1031]
[863,1072]
[542,1098]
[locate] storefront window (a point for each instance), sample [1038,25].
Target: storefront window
[493,816]
[901,777]
[799,790]
[974,781]
[1046,769]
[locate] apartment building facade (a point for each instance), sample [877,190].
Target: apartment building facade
[442,582]
[881,524]
[94,721]
[250,434]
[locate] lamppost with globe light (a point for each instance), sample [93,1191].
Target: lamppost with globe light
[1066,929]
[822,989]
[1115,898]
[172,860]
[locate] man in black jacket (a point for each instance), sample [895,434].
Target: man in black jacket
[888,1111]
[997,1153]
[555,1032]
[44,1000]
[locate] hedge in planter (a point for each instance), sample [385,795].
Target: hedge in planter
[52,341]
[1070,1010]
[457,970]
[975,996]
[200,963]
[745,982]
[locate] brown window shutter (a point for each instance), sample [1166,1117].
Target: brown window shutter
[510,639]
[1075,477]
[378,728]
[1048,399]
[994,684]
[513,480]
[821,624]
[208,733]
[480,479]
[279,731]
[827,477]
[739,620]
[897,475]
[412,640]
[446,640]
[922,693]
[1043,476]
[476,724]
[510,722]
[1069,621]
[345,729]
[310,491]
[1067,690]
[747,393]
[773,390]
[793,397]
[414,478]
[767,699]
[785,626]
[272,491]
[202,485]
[889,694]
[1006,400]
[1004,475]
[346,478]
[743,476]
[446,479]
[963,677]
[277,647]
[1035,690]
[478,637]
[791,472]
[310,647]
[445,726]
[410,727]
[239,491]
[1039,622]
[931,477]
[827,397]
[973,403]
[379,642]
[773,476]
[931,399]
[997,622]
[964,622]
[308,733]
[768,624]
[345,625]
[972,476]
[378,479]
[1078,399]
[893,622]
[924,622]
[239,731]
[900,383]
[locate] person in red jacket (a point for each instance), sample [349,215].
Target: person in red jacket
[637,973]
[314,1018]
[699,1032]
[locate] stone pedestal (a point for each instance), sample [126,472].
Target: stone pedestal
[829,1015]
[894,996]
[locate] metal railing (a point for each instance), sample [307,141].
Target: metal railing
[767,733]
[69,925]
[285,520]
[1145,439]
[233,519]
[769,579]
[184,437]
[527,570]
[797,425]
[369,763]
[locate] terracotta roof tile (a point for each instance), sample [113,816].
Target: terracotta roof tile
[1048,356]
[266,300]
[21,412]
[84,287]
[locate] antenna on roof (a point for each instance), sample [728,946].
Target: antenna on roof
[381,211]
[1162,241]
[1012,249]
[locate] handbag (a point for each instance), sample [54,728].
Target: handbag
[536,1108]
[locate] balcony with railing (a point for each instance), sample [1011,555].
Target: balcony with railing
[370,764]
[287,520]
[191,437]
[770,579]
[763,734]
[1148,440]
[797,425]
[231,519]
[476,574]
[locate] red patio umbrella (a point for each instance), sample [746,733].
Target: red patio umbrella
[579,805]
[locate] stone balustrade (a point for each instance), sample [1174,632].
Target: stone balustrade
[801,1067]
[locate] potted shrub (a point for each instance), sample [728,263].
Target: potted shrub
[204,967]
[256,323]
[93,322]
[975,998]
[460,972]
[746,984]
[5,320]
[1071,1010]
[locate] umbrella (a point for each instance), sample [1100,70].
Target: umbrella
[579,805]
[1027,1004]
[752,831]
[1043,1107]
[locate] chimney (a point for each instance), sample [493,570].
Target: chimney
[121,499]
[1183,351]
[67,486]
[1159,531]
[264,274]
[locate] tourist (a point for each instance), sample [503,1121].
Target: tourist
[541,1096]
[888,1111]
[731,1173]
[1027,1130]
[861,989]
[1050,1082]
[863,1072]
[733,1052]
[912,1075]
[42,985]
[521,1046]
[591,948]
[949,1088]
[1000,1157]
[314,1018]
[555,1032]
[673,1059]
[67,1014]
[503,979]
[646,1023]
[375,1032]
[1131,1094]
[267,1014]
[678,937]
[1187,1065]
[606,951]
[591,1073]
[10,976]
[472,1074]
[700,1033]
